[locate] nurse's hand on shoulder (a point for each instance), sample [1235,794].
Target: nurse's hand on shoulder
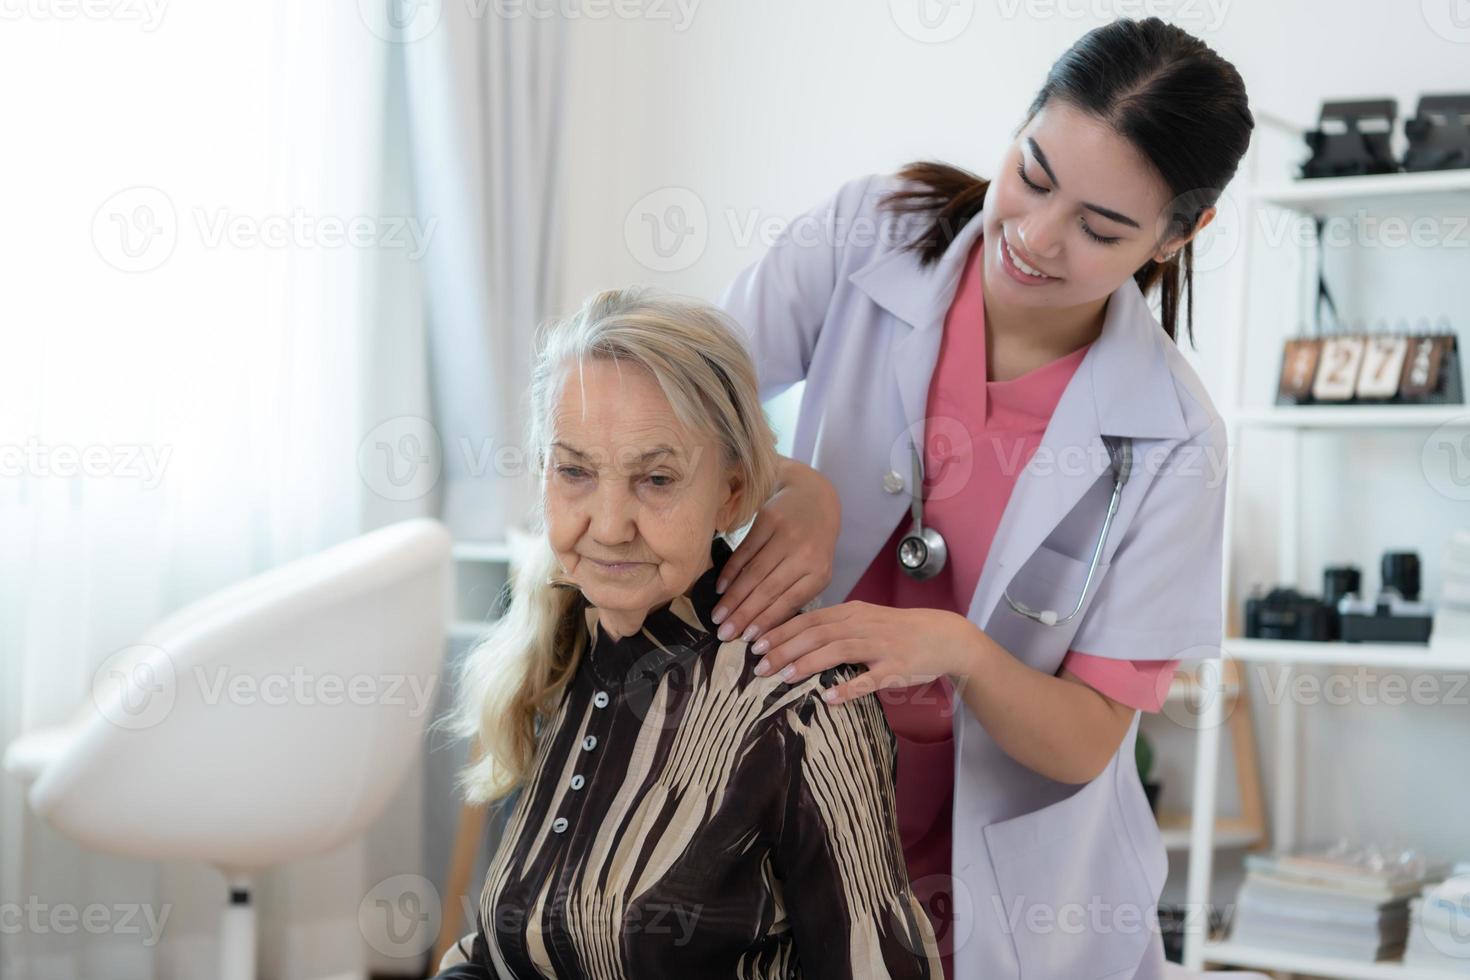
[901,647]
[785,561]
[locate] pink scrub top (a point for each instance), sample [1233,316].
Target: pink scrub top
[978,439]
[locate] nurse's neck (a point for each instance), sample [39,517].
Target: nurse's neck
[1020,339]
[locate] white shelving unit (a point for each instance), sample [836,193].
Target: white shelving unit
[1397,194]
[1248,829]
[1410,195]
[495,552]
[1260,958]
[480,569]
[469,591]
[1355,417]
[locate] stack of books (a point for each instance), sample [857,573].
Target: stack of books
[1343,902]
[1439,925]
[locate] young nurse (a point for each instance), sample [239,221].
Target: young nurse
[993,338]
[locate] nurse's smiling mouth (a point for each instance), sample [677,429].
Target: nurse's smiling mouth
[1010,261]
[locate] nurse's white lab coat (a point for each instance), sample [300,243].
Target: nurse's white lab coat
[1051,880]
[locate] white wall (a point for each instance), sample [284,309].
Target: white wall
[748,112]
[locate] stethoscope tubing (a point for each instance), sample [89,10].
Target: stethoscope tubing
[928,542]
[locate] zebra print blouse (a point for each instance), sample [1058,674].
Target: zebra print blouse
[688,818]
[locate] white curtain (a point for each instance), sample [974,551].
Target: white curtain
[486,95]
[212,321]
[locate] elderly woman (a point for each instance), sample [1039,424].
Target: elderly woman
[678,814]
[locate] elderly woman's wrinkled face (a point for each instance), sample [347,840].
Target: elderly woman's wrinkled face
[633,497]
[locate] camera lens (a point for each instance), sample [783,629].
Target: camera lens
[1401,572]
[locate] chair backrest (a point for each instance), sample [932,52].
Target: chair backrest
[271,720]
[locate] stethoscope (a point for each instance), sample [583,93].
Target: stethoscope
[922,552]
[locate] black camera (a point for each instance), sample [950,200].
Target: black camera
[1396,615]
[1286,614]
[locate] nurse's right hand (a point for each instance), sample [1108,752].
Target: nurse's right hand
[785,561]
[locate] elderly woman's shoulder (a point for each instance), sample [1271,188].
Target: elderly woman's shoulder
[805,705]
[730,670]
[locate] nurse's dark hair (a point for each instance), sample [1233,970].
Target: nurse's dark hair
[1178,102]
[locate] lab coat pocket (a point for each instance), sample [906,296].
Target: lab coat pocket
[1073,894]
[1050,579]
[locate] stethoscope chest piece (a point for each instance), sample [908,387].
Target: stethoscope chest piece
[922,552]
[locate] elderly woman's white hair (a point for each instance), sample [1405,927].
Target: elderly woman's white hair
[514,677]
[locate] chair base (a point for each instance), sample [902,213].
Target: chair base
[237,932]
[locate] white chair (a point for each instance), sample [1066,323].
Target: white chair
[271,721]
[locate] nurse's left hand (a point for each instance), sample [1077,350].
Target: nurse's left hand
[901,647]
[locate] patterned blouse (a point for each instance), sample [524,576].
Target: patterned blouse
[687,818]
